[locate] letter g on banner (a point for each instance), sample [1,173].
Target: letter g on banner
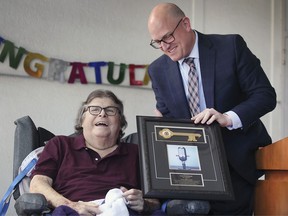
[39,67]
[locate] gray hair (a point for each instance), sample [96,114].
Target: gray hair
[101,94]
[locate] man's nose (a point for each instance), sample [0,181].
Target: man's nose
[102,113]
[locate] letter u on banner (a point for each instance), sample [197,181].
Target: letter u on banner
[111,72]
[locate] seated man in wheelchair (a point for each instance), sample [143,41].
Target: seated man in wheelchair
[74,170]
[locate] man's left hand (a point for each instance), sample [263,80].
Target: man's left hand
[208,116]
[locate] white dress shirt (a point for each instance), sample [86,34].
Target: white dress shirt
[184,69]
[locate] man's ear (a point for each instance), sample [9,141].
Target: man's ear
[186,23]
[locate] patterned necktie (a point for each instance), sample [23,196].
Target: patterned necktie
[193,97]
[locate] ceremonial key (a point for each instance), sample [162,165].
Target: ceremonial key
[166,134]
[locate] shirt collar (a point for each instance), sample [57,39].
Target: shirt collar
[194,52]
[80,144]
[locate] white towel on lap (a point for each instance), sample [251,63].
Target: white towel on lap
[115,204]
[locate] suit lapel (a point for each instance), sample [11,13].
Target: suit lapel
[176,88]
[207,65]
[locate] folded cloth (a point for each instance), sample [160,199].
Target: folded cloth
[115,204]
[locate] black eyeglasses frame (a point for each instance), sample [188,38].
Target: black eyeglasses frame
[114,109]
[156,44]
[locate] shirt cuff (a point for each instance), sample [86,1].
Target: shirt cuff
[236,122]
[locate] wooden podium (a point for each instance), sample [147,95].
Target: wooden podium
[271,196]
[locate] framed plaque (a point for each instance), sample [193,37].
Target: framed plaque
[182,160]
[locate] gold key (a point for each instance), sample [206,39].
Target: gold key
[166,134]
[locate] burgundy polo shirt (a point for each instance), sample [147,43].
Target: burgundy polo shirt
[79,173]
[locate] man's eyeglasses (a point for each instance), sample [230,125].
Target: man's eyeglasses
[96,110]
[169,38]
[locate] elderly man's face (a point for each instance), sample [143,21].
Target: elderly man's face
[103,125]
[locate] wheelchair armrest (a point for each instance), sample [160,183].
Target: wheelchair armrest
[188,207]
[31,204]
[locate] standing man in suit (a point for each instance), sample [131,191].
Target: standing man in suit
[233,90]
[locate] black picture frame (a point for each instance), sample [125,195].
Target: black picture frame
[182,160]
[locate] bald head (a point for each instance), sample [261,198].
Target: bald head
[165,11]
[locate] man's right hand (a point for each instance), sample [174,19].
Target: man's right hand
[85,208]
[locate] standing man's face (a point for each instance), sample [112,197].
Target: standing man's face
[177,33]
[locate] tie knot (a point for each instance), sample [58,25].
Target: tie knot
[189,61]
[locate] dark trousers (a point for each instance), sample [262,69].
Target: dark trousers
[244,198]
[67,211]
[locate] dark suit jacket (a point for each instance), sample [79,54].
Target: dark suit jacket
[233,79]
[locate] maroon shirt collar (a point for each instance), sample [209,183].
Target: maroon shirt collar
[79,143]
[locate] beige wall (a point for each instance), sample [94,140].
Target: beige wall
[108,30]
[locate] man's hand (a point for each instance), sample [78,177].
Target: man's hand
[157,113]
[208,116]
[134,198]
